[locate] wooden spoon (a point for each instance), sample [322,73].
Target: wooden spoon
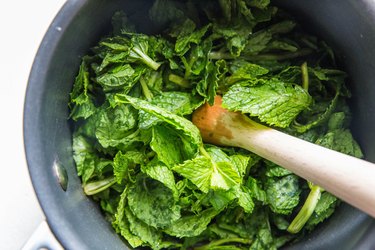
[349,178]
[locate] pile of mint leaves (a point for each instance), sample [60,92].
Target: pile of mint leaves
[141,158]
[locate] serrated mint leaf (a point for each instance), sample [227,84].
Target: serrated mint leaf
[124,164]
[242,71]
[158,171]
[274,170]
[179,103]
[84,157]
[188,36]
[121,224]
[275,103]
[153,203]
[255,190]
[220,198]
[193,225]
[122,77]
[146,233]
[198,171]
[169,146]
[179,123]
[244,199]
[342,141]
[283,194]
[224,176]
[264,240]
[241,162]
[115,124]
[215,173]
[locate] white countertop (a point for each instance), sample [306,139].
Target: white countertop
[22,26]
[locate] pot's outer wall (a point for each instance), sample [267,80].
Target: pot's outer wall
[75,220]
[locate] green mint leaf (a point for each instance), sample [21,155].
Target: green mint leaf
[224,176]
[197,58]
[81,101]
[208,85]
[112,58]
[220,199]
[140,51]
[216,172]
[146,233]
[280,45]
[158,171]
[179,103]
[124,164]
[84,156]
[274,170]
[342,141]
[255,190]
[187,36]
[198,171]
[153,203]
[241,162]
[169,146]
[260,40]
[337,120]
[79,94]
[244,198]
[121,224]
[275,103]
[242,71]
[263,241]
[115,124]
[283,194]
[192,225]
[177,122]
[122,77]
[84,110]
[261,4]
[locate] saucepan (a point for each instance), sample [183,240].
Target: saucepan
[76,221]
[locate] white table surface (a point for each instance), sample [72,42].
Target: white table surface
[23,24]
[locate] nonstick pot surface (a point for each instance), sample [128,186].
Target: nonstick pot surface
[77,221]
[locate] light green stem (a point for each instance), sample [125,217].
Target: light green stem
[98,186]
[203,151]
[179,80]
[306,211]
[146,59]
[305,76]
[146,91]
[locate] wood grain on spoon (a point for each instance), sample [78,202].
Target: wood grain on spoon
[349,178]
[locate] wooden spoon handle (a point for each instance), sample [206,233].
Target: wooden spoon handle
[349,178]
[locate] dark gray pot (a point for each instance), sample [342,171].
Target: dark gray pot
[349,25]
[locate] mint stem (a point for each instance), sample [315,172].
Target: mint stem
[178,80]
[305,76]
[203,151]
[146,91]
[306,211]
[146,59]
[98,186]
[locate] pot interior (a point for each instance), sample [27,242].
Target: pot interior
[349,26]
